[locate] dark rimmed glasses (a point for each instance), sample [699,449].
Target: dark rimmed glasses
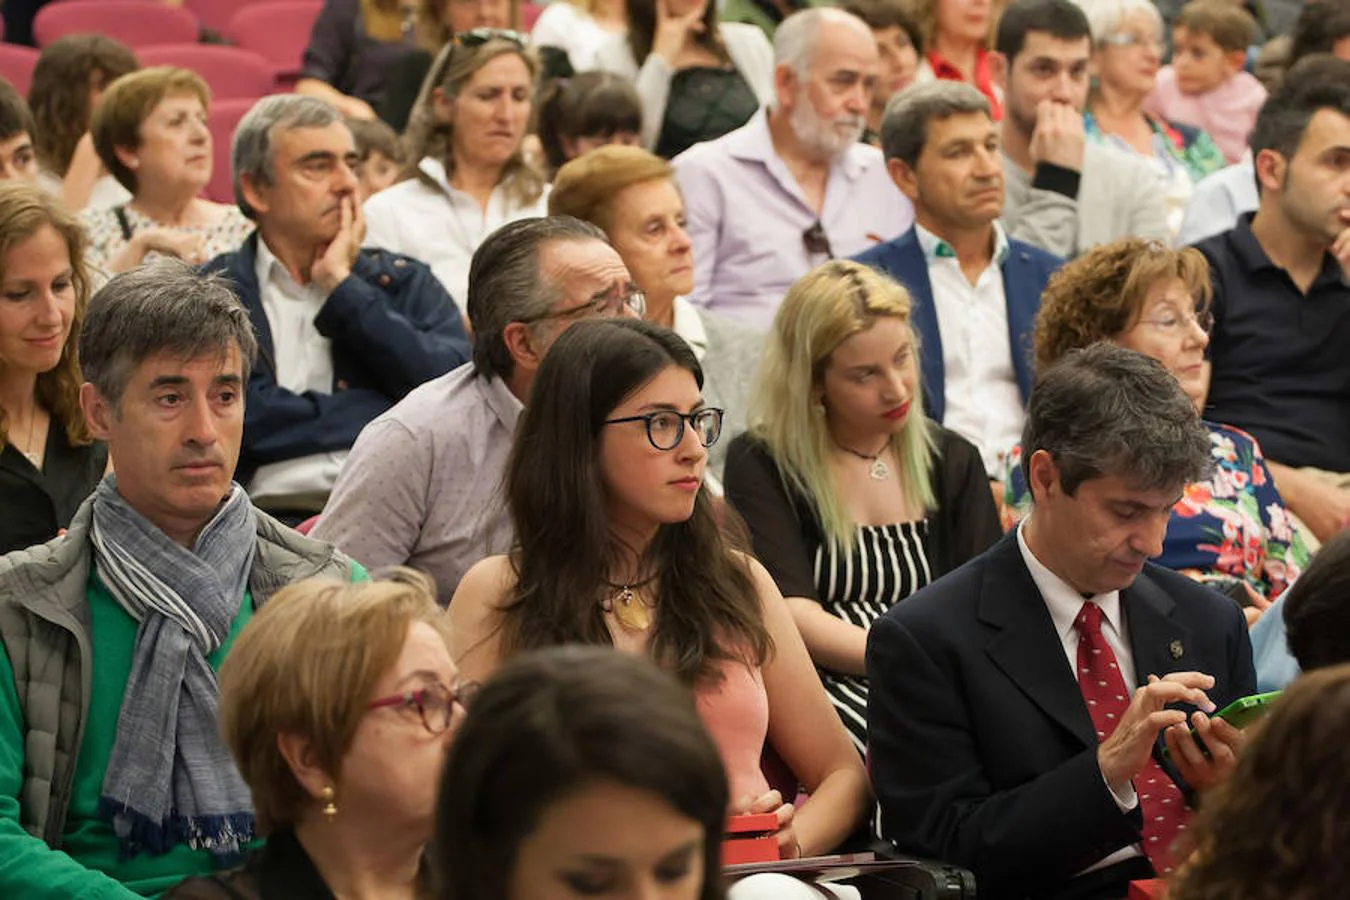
[611,305]
[477,37]
[435,703]
[665,429]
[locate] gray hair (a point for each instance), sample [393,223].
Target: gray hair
[1105,16]
[794,42]
[164,306]
[1104,410]
[505,284]
[251,151]
[904,127]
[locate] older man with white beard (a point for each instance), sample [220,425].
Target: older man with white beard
[793,187]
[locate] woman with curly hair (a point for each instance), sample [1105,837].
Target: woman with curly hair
[1276,829]
[1232,529]
[68,82]
[48,462]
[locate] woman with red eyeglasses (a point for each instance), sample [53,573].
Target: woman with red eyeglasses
[338,702]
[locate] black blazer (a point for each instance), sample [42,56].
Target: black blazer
[982,753]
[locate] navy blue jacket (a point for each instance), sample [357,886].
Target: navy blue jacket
[1025,272]
[392,327]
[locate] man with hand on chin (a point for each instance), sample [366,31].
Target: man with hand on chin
[1019,705]
[344,333]
[1064,194]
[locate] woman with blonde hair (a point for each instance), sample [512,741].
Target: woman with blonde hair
[958,39]
[150,131]
[48,462]
[1232,529]
[632,196]
[466,174]
[854,499]
[338,702]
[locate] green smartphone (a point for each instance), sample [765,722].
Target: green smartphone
[1240,713]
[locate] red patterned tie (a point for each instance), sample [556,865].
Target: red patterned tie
[1103,688]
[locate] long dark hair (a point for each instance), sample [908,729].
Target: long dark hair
[642,30]
[707,607]
[546,724]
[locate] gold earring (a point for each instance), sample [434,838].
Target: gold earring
[327,795]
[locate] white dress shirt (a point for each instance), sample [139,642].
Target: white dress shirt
[441,226]
[984,402]
[1064,604]
[304,364]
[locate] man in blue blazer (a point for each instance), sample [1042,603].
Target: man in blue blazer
[975,291]
[1019,705]
[343,333]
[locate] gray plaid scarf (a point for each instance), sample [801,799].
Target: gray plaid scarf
[170,779]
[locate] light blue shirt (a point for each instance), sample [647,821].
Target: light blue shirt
[1217,202]
[1275,665]
[747,216]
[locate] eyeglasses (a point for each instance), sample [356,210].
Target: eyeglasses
[434,703]
[665,429]
[476,37]
[816,241]
[1172,323]
[1127,39]
[610,305]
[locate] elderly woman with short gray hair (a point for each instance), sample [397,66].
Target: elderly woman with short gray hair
[1127,46]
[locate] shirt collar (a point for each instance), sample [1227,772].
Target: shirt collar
[688,324]
[944,70]
[935,247]
[500,400]
[269,270]
[1063,602]
[1253,257]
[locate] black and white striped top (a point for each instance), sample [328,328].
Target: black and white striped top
[886,565]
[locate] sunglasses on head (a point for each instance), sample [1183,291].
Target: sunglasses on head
[476,37]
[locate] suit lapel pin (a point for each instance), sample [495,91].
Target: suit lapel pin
[1176,649]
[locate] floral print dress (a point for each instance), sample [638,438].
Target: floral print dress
[1232,527]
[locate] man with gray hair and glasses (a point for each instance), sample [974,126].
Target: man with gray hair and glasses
[344,333]
[793,187]
[114,781]
[1020,704]
[975,290]
[422,486]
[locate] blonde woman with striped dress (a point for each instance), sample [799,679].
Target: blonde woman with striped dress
[854,500]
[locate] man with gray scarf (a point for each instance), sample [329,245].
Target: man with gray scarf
[114,782]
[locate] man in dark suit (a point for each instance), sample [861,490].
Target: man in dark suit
[975,291]
[1017,703]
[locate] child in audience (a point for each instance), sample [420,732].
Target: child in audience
[1205,86]
[586,111]
[17,159]
[379,153]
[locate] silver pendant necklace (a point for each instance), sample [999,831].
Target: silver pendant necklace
[878,470]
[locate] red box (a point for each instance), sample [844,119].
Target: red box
[750,839]
[1153,889]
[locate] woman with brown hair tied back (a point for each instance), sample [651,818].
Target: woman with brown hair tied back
[616,545]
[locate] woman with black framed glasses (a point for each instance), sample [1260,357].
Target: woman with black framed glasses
[616,544]
[338,702]
[466,174]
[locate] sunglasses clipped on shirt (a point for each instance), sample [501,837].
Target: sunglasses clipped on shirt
[817,242]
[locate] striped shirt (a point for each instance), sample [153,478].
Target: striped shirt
[886,564]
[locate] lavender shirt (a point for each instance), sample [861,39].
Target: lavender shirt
[747,216]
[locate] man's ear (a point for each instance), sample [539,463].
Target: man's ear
[299,755]
[98,412]
[254,193]
[1042,476]
[998,71]
[785,86]
[904,177]
[1271,169]
[524,347]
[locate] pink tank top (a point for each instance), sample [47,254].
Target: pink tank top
[736,713]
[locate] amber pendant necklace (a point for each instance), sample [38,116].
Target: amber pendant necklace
[630,609]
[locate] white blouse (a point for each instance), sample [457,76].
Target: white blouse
[441,226]
[571,29]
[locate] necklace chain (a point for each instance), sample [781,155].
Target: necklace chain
[878,470]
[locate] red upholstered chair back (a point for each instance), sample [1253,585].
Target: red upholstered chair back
[232,73]
[278,32]
[222,119]
[216,14]
[136,23]
[16,66]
